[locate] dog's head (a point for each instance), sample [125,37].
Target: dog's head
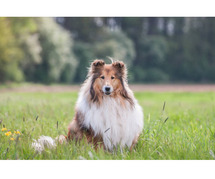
[108,79]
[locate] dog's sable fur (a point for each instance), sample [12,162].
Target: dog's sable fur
[107,118]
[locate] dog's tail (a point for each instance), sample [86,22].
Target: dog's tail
[47,142]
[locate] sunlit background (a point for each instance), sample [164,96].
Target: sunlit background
[155,49]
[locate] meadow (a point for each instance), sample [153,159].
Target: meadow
[177,126]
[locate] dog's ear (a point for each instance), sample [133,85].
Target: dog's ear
[120,67]
[97,65]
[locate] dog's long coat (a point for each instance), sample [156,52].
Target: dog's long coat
[111,120]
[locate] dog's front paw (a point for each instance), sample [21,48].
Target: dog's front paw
[61,139]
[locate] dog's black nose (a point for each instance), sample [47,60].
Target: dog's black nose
[107,88]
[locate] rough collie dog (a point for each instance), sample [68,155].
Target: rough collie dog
[107,113]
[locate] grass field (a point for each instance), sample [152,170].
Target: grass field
[176,126]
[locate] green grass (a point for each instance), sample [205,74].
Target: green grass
[188,133]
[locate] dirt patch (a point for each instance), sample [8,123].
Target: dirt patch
[136,88]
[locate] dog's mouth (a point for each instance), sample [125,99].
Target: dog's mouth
[107,93]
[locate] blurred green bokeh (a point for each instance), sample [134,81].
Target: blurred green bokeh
[155,49]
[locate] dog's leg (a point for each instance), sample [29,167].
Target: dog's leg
[74,132]
[134,142]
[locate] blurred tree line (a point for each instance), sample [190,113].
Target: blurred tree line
[35,49]
[155,49]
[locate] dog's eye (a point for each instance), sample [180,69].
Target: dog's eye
[112,77]
[102,77]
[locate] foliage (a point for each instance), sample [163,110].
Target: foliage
[58,61]
[36,49]
[152,50]
[25,33]
[114,44]
[84,53]
[117,45]
[10,53]
[156,49]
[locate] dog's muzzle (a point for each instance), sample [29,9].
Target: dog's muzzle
[107,90]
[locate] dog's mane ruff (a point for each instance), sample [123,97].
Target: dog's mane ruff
[126,93]
[87,88]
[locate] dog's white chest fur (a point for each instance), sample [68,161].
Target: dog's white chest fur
[117,124]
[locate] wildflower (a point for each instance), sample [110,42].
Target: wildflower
[3,129]
[17,132]
[12,138]
[8,133]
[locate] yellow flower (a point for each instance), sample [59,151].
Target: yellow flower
[17,132]
[12,138]
[3,129]
[8,133]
